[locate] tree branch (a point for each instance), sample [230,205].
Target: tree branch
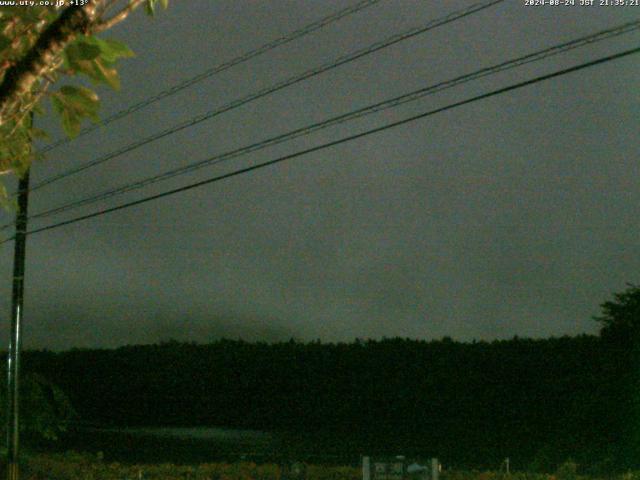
[21,77]
[118,17]
[25,111]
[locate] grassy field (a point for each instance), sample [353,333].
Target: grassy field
[74,466]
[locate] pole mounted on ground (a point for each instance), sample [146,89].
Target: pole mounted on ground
[13,360]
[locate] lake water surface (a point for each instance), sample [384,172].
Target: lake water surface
[191,445]
[203,433]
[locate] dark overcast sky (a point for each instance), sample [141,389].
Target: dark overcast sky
[515,215]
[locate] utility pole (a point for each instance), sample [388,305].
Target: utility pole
[13,360]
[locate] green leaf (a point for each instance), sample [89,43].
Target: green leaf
[58,106]
[150,7]
[72,107]
[81,57]
[81,50]
[15,149]
[86,51]
[9,204]
[84,101]
[112,50]
[81,93]
[106,74]
[109,50]
[70,123]
[74,103]
[73,60]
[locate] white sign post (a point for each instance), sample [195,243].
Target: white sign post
[366,468]
[435,469]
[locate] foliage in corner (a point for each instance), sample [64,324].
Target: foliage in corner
[41,45]
[45,409]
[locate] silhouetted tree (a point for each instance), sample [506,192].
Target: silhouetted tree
[620,335]
[620,318]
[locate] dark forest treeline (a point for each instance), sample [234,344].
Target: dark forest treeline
[472,404]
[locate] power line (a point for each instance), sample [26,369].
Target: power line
[337,142]
[350,57]
[364,111]
[276,87]
[307,29]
